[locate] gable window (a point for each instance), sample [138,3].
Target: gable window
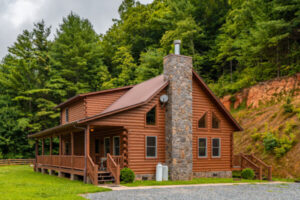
[215,121]
[216,147]
[106,146]
[151,116]
[67,114]
[202,145]
[116,145]
[97,146]
[202,121]
[151,146]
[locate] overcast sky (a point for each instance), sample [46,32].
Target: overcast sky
[17,15]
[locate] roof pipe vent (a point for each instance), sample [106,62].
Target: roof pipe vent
[177,47]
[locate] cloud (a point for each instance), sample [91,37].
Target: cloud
[17,15]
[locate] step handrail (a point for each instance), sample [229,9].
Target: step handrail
[269,167]
[113,168]
[92,170]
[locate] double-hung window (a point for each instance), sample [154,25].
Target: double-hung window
[216,147]
[151,145]
[202,147]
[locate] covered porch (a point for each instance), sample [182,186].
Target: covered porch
[92,153]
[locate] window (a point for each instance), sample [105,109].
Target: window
[67,114]
[97,146]
[106,146]
[202,121]
[215,121]
[151,146]
[216,147]
[151,116]
[116,145]
[202,143]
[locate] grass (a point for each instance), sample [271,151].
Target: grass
[194,181]
[283,179]
[21,182]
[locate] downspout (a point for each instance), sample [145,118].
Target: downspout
[85,156]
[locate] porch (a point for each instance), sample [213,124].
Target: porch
[93,153]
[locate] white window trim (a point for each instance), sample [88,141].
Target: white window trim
[205,147]
[105,153]
[114,145]
[219,156]
[155,147]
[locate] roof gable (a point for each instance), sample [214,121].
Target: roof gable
[217,102]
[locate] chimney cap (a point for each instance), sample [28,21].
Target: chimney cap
[177,41]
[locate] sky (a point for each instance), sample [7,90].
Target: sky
[17,15]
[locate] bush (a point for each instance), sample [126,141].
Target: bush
[288,107]
[127,175]
[247,173]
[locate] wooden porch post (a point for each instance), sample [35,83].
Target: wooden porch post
[51,140]
[72,144]
[125,147]
[36,148]
[72,149]
[86,150]
[43,146]
[60,145]
[36,153]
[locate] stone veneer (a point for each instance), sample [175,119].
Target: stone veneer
[179,116]
[213,174]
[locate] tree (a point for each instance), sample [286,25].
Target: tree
[76,56]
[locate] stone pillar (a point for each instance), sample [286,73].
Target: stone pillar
[179,117]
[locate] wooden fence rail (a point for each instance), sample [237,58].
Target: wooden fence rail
[16,161]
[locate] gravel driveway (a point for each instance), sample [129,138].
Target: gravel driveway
[232,192]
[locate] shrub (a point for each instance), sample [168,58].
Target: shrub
[247,173]
[288,107]
[270,141]
[127,175]
[256,136]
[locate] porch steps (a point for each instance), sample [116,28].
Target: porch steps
[105,177]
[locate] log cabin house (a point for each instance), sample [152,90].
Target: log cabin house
[173,118]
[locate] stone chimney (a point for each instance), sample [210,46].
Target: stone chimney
[179,153]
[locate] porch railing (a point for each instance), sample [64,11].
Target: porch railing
[92,170]
[250,161]
[114,168]
[64,161]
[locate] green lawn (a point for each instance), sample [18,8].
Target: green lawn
[194,181]
[22,183]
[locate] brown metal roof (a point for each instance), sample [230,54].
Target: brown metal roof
[81,96]
[138,95]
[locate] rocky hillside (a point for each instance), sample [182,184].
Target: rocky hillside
[270,115]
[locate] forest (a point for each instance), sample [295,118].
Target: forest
[234,44]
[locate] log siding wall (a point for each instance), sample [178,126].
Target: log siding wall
[134,121]
[76,111]
[97,103]
[201,104]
